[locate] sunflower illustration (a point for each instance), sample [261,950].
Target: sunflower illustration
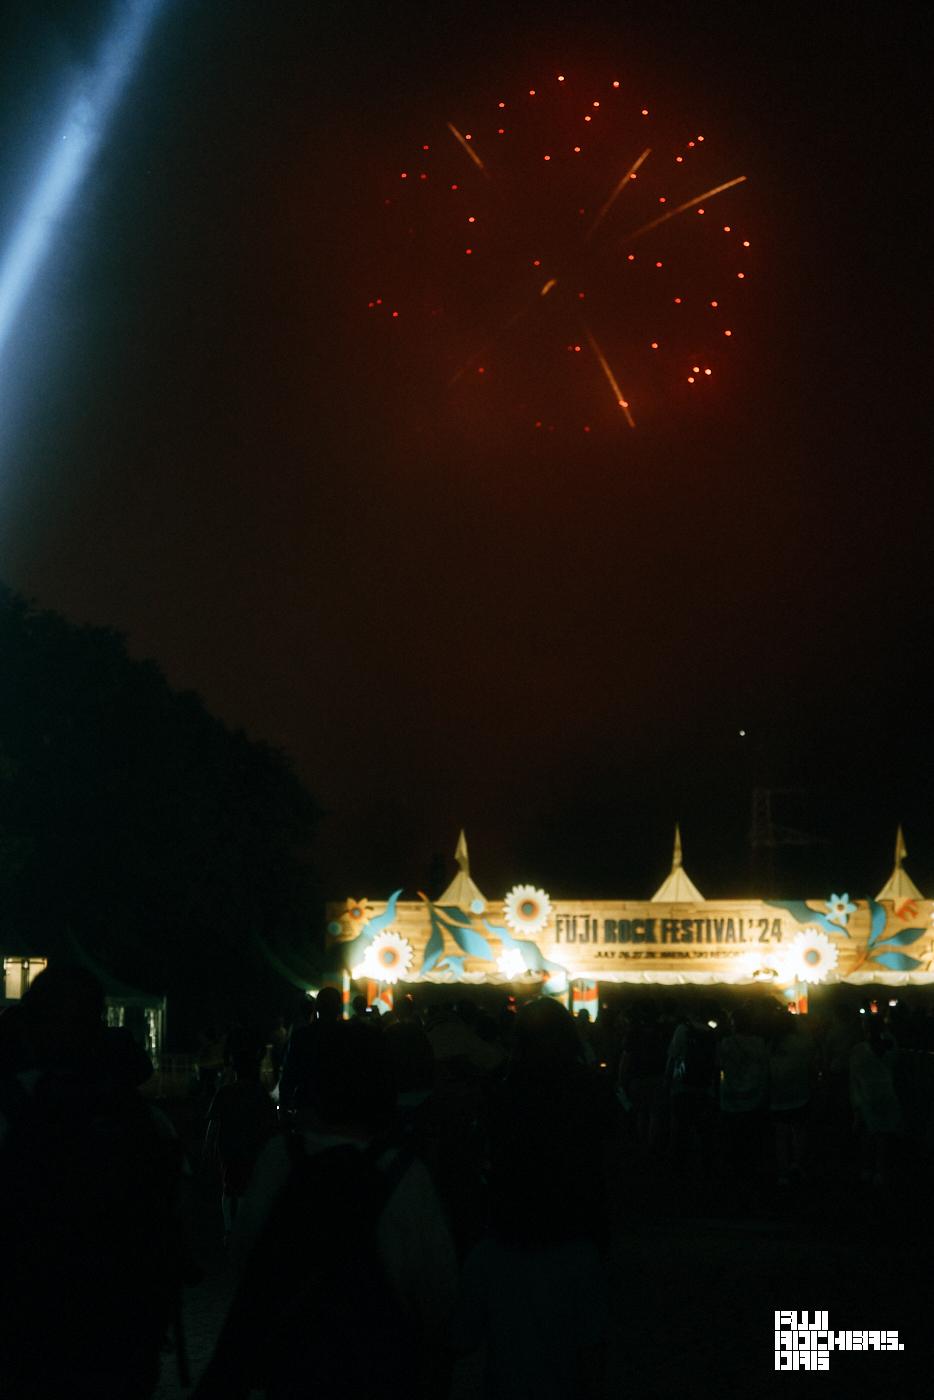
[388,958]
[812,955]
[526,909]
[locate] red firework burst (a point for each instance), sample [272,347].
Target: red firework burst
[565,257]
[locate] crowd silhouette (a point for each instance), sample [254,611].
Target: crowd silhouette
[401,1192]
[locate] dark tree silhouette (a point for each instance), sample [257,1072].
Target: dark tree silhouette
[174,850]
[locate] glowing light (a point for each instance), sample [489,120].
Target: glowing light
[616,82]
[552,282]
[596,104]
[536,262]
[547,157]
[581,296]
[531,92]
[679,159]
[715,304]
[560,77]
[645,111]
[700,138]
[577,150]
[696,369]
[472,220]
[481,370]
[727,228]
[630,257]
[468,251]
[404,175]
[658,264]
[454,187]
[708,371]
[423,176]
[662,199]
[501,131]
[654,345]
[91,104]
[501,105]
[577,349]
[745,242]
[700,211]
[395,315]
[587,119]
[690,379]
[426,148]
[727,332]
[511,963]
[677,301]
[741,275]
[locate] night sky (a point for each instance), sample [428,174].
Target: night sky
[205,443]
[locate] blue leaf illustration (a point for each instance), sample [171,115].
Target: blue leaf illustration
[535,960]
[904,938]
[473,943]
[877,927]
[435,945]
[502,934]
[802,912]
[451,911]
[898,962]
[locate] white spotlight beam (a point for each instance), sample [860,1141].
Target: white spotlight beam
[88,111]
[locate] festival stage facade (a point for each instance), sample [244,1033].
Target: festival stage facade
[567,948]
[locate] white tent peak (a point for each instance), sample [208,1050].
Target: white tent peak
[677,887]
[462,891]
[899,885]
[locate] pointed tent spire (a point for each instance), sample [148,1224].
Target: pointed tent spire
[462,891]
[677,887]
[899,885]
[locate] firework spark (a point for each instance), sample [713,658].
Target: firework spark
[682,208]
[611,379]
[623,184]
[466,146]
